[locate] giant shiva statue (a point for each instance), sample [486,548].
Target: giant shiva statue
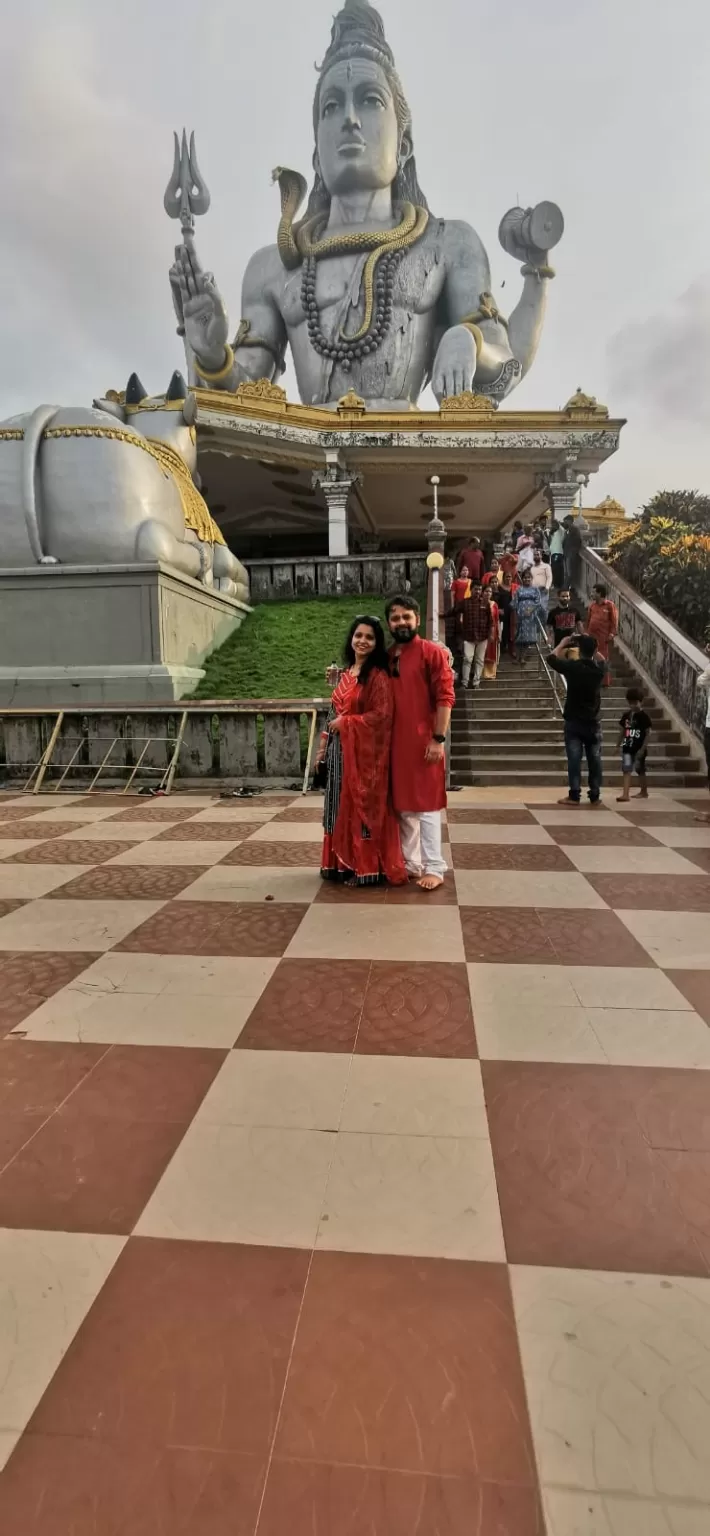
[371,290]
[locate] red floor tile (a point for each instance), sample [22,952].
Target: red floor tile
[69,853]
[699,856]
[583,1179]
[28,978]
[656,818]
[408,1365]
[208,832]
[670,893]
[409,895]
[308,1005]
[548,936]
[695,986]
[46,830]
[186,1345]
[486,816]
[301,813]
[148,810]
[130,882]
[280,855]
[602,837]
[93,1165]
[64,1486]
[216,928]
[306,1499]
[417,1009]
[34,1080]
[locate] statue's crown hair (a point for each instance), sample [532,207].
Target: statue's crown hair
[358,28]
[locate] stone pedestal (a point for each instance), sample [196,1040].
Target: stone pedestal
[129,634]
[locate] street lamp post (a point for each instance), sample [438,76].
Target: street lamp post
[436,540]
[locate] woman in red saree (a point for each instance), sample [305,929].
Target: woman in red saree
[602,623]
[492,657]
[361,845]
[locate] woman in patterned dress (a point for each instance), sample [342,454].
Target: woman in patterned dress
[361,845]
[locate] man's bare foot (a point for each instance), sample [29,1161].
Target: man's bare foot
[704,819]
[624,799]
[430,882]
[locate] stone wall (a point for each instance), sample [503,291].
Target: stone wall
[254,742]
[670,660]
[282,580]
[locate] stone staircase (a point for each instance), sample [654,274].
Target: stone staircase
[510,732]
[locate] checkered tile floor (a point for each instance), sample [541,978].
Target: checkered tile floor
[353,1213]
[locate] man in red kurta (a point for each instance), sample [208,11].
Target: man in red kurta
[423,687]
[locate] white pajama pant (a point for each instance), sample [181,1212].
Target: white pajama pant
[420,832]
[474,655]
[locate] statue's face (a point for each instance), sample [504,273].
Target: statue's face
[358,134]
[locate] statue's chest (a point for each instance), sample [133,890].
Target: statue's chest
[341,285]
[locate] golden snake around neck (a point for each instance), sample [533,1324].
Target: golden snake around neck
[297,241]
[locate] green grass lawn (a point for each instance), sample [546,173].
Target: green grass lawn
[283,649]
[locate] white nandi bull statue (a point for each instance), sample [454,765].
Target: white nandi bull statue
[111,486]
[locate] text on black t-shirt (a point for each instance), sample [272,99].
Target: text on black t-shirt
[634,725]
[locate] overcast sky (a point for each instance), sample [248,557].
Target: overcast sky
[600,105]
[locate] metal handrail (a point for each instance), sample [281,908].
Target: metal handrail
[550,675]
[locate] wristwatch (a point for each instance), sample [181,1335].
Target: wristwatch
[441,740]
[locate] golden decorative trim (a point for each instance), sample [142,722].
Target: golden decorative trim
[487,310]
[351,404]
[221,373]
[150,405]
[467,404]
[585,405]
[529,270]
[258,389]
[11,435]
[196,512]
[319,418]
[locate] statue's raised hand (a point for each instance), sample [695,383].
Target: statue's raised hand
[455,363]
[200,307]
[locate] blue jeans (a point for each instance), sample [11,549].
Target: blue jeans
[583,736]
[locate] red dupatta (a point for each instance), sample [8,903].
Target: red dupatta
[365,739]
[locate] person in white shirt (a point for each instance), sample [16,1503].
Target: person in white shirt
[542,579]
[524,549]
[557,554]
[703,681]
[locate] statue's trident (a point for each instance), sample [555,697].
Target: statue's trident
[186,195]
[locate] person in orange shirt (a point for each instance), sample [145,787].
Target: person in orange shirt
[603,624]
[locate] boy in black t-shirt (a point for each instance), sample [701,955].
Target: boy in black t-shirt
[634,731]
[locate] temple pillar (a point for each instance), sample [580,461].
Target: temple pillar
[561,490]
[336,483]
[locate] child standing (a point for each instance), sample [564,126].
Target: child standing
[634,732]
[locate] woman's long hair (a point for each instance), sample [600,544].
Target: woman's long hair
[377,658]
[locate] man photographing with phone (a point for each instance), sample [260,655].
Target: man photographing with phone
[584,678]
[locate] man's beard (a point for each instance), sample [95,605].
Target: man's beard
[402,635]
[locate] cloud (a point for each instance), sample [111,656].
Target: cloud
[662,364]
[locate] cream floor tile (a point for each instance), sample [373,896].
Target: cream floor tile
[640,1037]
[524,888]
[288,832]
[617,1369]
[153,1000]
[80,810]
[511,1031]
[25,882]
[479,832]
[585,1514]
[625,986]
[48,1281]
[560,817]
[242,882]
[8,1441]
[673,939]
[117,831]
[631,861]
[8,845]
[539,988]
[425,1195]
[372,932]
[696,836]
[41,801]
[255,811]
[410,1096]
[295,1090]
[241,1184]
[178,853]
[68,925]
[179,976]
[535,987]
